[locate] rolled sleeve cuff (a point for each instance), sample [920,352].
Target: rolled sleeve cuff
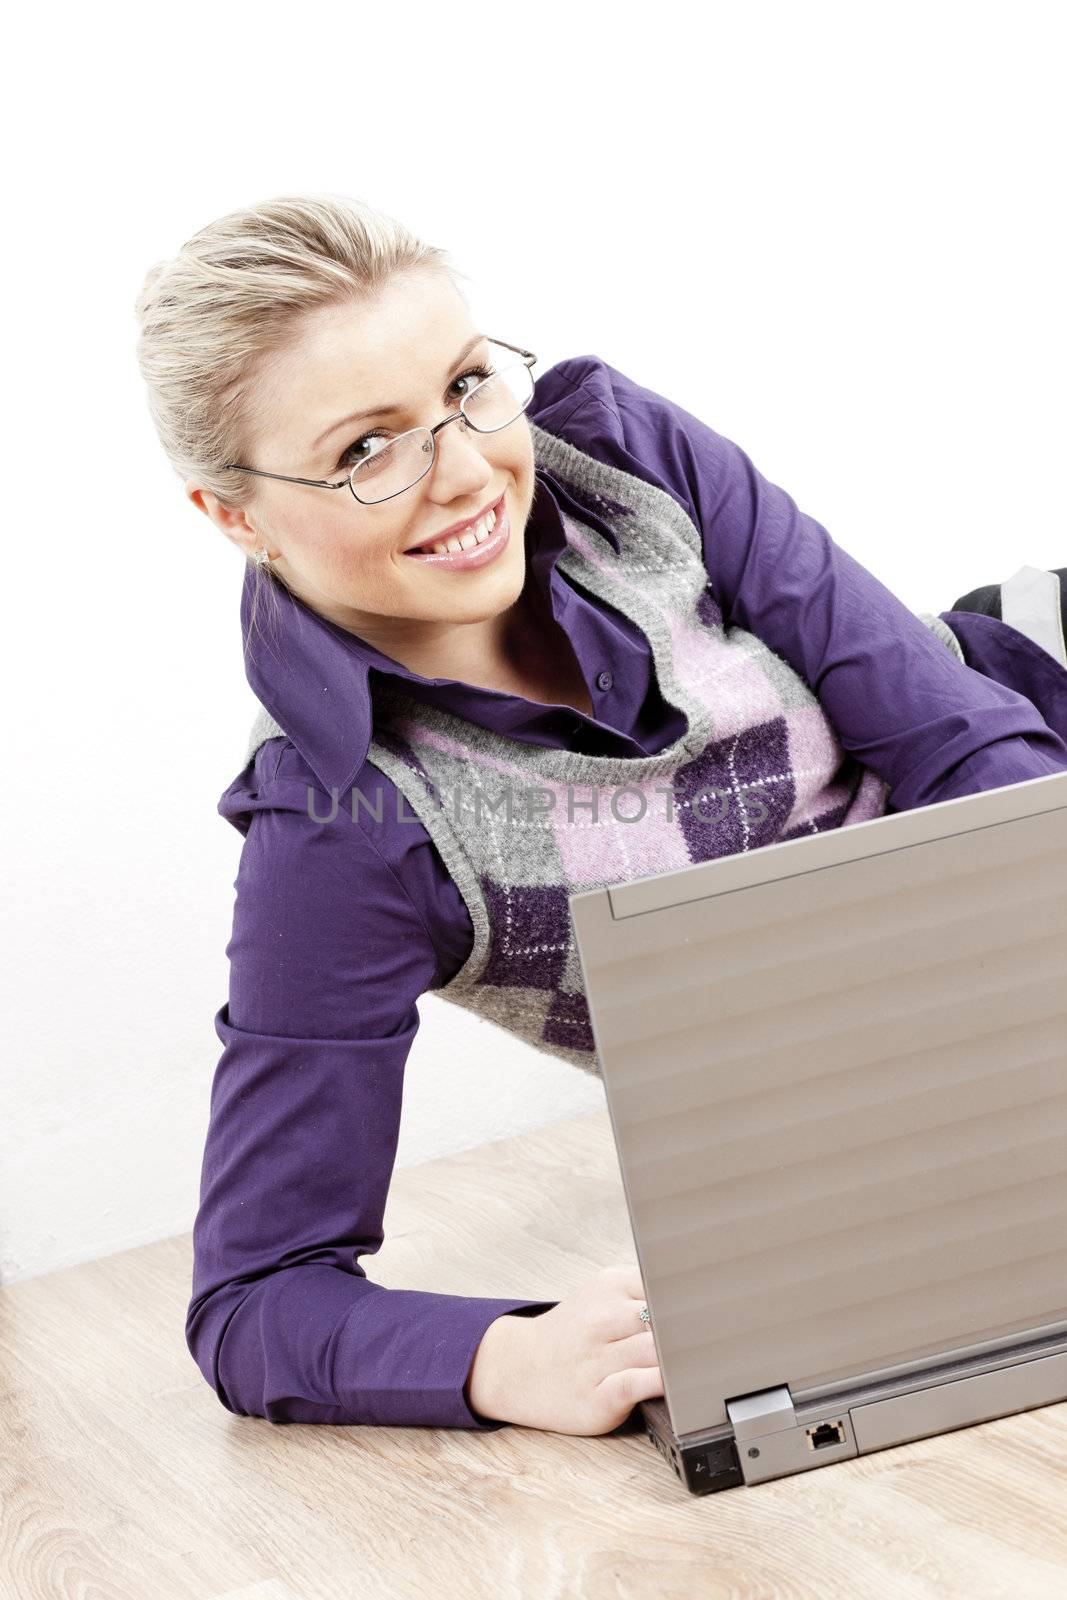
[422,1347]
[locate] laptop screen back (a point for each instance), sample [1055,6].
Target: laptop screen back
[836,1070]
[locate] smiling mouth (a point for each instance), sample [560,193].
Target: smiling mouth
[425,546]
[497,532]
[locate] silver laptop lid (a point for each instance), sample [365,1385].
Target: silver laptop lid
[836,1070]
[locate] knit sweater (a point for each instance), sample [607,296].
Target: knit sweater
[520,827]
[339,930]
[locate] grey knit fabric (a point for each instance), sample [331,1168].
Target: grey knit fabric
[520,827]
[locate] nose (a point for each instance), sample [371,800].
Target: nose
[459,465]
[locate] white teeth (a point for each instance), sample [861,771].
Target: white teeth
[476,535]
[479,533]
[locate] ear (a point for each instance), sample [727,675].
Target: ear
[232,520]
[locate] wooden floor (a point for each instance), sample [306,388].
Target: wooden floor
[123,1478]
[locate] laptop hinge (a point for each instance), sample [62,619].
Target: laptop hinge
[771,1442]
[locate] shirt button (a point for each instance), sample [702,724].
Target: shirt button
[604,680]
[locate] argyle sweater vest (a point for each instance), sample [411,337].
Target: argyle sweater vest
[520,827]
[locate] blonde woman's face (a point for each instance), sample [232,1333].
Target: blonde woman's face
[410,350]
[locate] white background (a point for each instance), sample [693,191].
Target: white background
[831,231]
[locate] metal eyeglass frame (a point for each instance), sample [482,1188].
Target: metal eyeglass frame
[324,483]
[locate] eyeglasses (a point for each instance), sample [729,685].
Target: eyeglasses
[401,462]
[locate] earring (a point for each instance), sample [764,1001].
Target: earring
[261,558]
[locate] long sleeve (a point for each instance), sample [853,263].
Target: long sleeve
[327,958]
[931,727]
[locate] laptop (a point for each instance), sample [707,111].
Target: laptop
[836,1071]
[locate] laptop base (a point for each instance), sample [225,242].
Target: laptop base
[772,1434]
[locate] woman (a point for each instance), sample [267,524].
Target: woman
[452,741]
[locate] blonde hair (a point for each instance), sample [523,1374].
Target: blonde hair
[232,296]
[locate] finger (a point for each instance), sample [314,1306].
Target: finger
[626,1319]
[634,1349]
[629,1385]
[630,1280]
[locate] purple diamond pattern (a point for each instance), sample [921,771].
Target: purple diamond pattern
[568,1022]
[733,822]
[708,610]
[529,931]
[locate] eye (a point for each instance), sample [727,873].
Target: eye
[479,374]
[349,457]
[351,454]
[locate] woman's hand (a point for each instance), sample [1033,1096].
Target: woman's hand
[579,1368]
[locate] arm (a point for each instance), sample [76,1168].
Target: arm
[929,726]
[327,958]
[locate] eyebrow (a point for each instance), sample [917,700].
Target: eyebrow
[385,411]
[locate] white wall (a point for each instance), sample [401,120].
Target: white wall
[832,231]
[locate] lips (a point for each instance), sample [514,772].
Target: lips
[477,555]
[456,531]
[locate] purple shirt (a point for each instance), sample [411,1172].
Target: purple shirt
[337,931]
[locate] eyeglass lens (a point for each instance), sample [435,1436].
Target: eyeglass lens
[495,402]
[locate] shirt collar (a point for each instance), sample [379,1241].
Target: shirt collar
[313,675]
